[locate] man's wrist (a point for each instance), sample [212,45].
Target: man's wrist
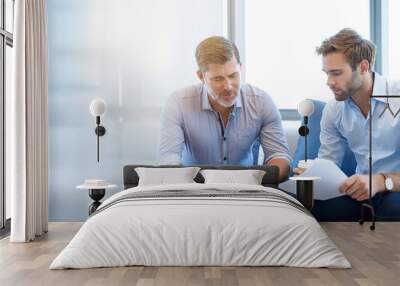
[380,179]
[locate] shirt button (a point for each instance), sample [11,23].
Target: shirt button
[224,138]
[224,158]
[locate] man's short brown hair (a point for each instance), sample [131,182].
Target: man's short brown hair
[216,50]
[352,45]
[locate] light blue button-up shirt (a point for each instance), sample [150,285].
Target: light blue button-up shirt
[192,132]
[343,124]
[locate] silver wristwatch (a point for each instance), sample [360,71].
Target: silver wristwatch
[389,185]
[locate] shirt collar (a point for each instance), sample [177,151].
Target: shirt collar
[205,103]
[380,87]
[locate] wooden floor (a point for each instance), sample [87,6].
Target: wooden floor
[375,257]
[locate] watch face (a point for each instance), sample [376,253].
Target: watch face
[389,184]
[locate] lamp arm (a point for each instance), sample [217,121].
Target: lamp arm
[100,131]
[98,141]
[305,138]
[305,148]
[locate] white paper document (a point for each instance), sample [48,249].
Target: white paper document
[325,188]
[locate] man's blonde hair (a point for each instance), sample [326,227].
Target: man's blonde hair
[352,45]
[216,50]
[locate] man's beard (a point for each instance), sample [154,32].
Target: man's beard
[343,95]
[217,98]
[351,89]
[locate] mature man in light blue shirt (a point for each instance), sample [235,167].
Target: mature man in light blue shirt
[218,121]
[347,61]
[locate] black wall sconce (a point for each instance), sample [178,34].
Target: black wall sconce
[97,108]
[305,109]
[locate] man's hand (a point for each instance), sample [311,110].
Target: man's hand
[298,171]
[357,186]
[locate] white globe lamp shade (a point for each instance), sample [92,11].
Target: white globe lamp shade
[305,107]
[97,107]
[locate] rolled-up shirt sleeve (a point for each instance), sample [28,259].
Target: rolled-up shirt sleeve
[272,136]
[172,139]
[333,144]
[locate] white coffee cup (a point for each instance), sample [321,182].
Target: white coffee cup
[304,165]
